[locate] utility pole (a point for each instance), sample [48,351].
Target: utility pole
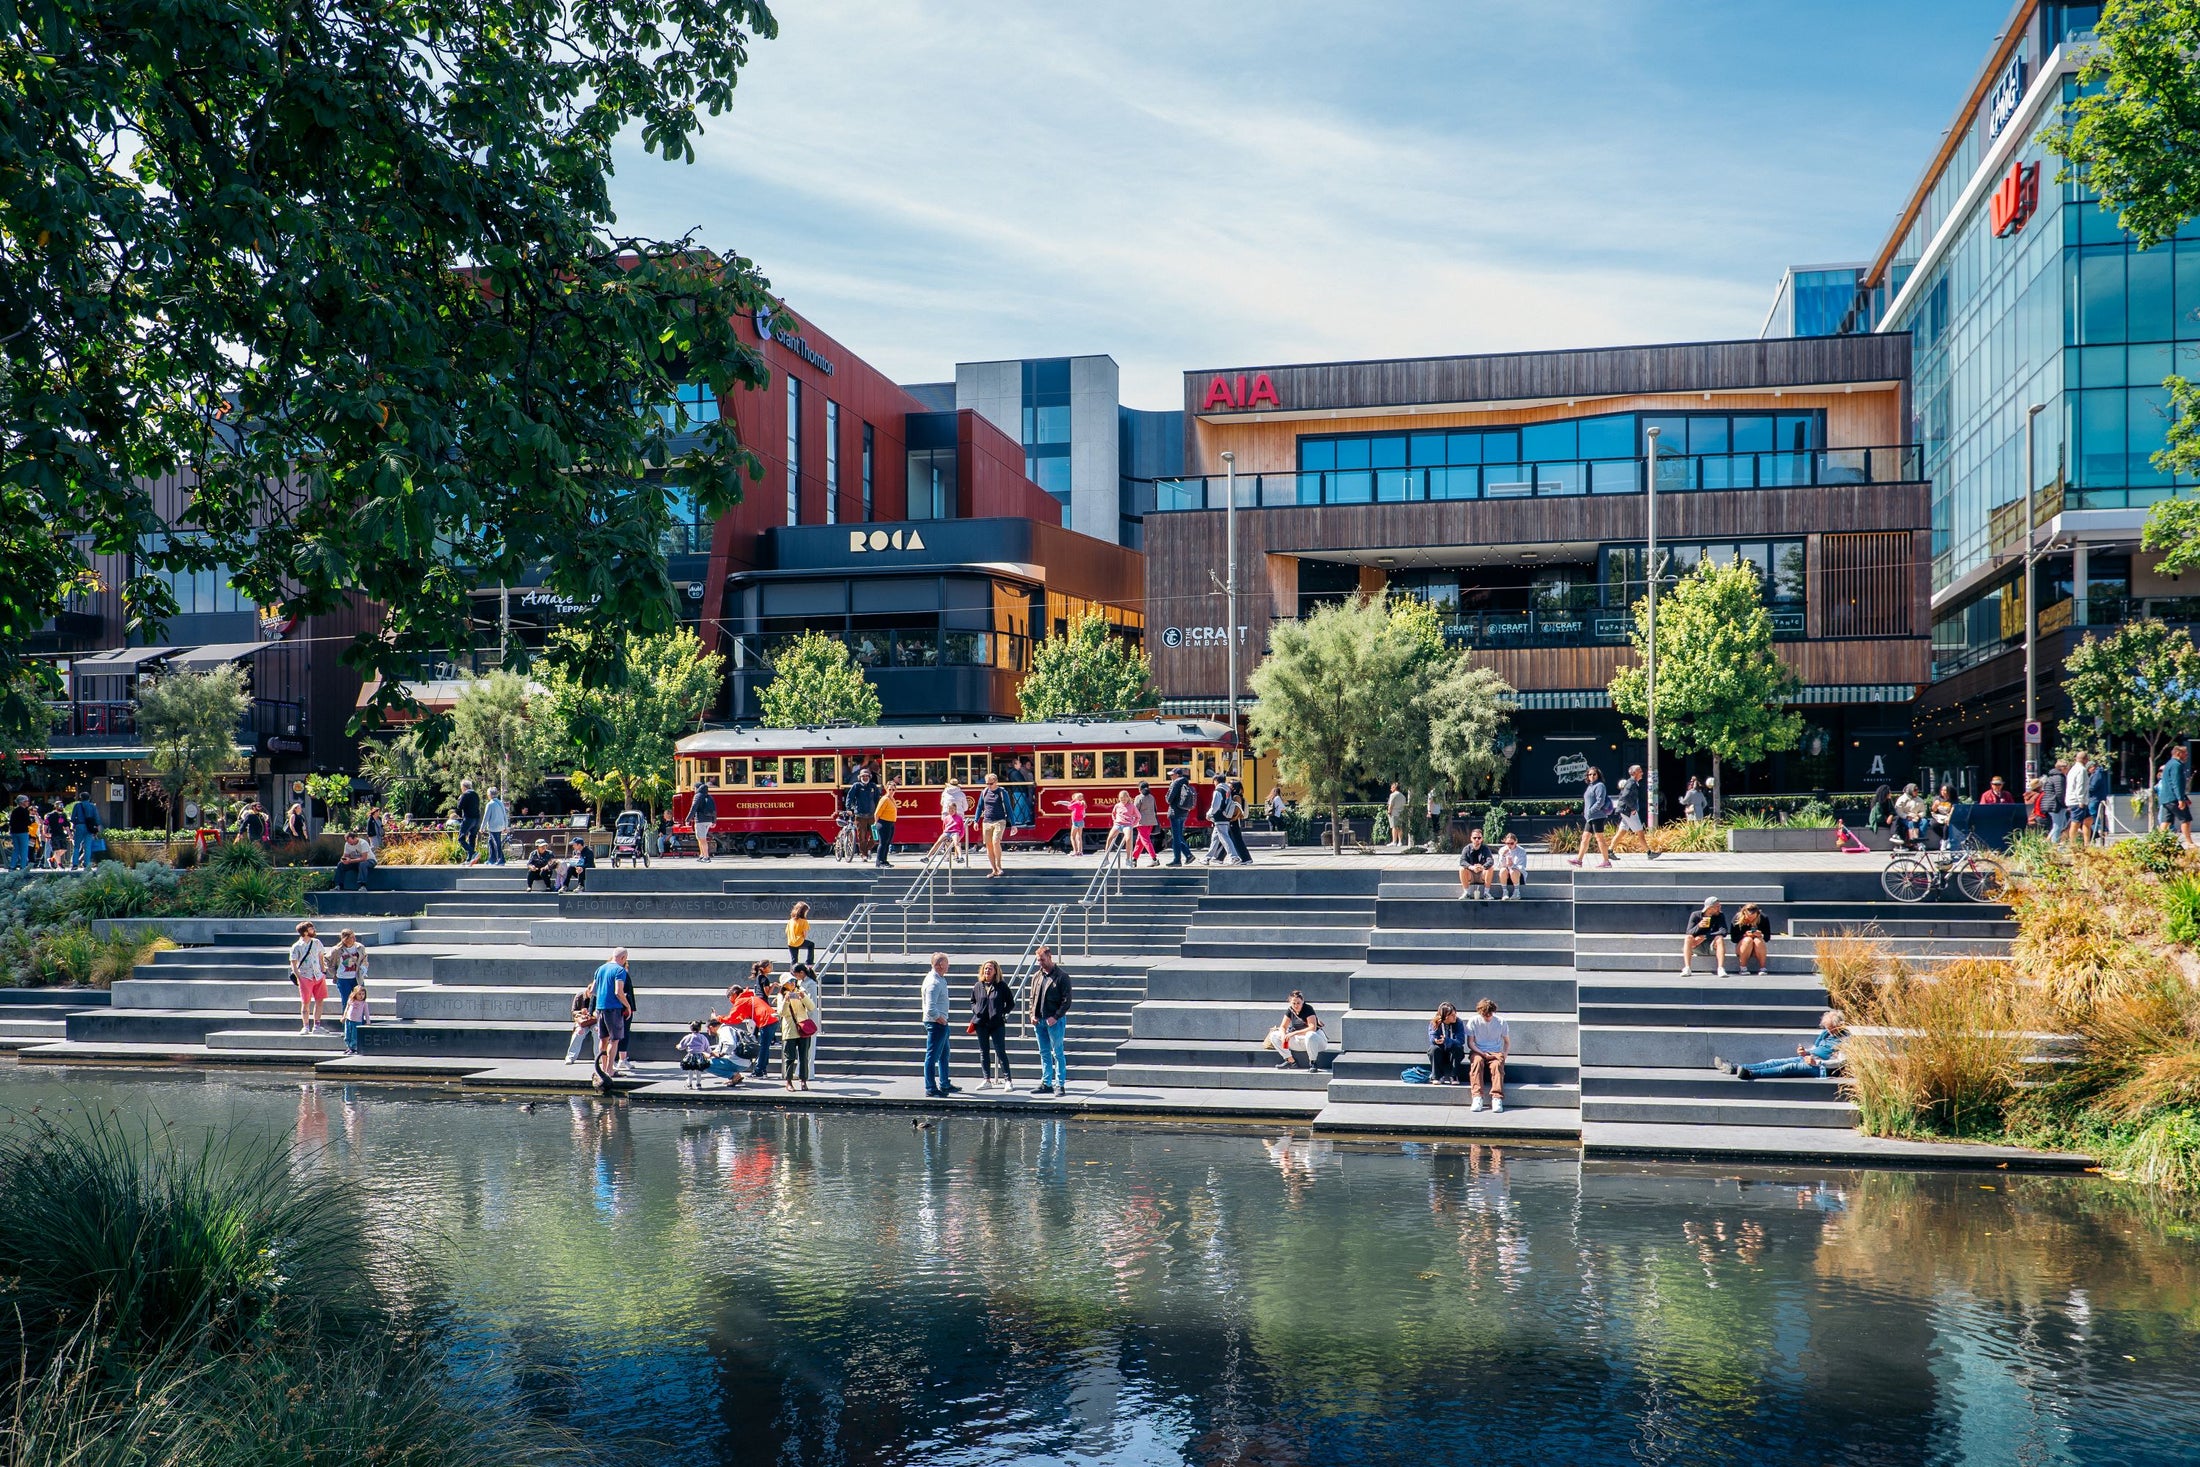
[2031,619]
[1650,619]
[1229,592]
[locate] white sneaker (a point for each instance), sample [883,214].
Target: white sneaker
[1476,1104]
[1688,970]
[1497,1106]
[1722,970]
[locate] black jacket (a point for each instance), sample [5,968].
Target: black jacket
[1181,798]
[469,807]
[989,1004]
[863,797]
[1050,993]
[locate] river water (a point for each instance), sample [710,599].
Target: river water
[709,1285]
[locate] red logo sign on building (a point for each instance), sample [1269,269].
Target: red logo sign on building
[1239,393]
[2015,197]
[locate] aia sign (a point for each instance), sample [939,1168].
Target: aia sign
[2015,197]
[1237,392]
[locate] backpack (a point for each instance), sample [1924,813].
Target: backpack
[1415,1075]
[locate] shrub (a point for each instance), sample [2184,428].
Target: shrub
[1948,1055]
[2139,1052]
[238,855]
[113,891]
[1854,966]
[65,955]
[2181,910]
[1563,840]
[2165,1152]
[1697,836]
[2075,941]
[1493,825]
[1816,814]
[422,850]
[2157,852]
[2037,856]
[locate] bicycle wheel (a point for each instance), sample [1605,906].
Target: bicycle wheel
[1982,880]
[1907,879]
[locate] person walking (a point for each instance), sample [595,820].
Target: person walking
[861,803]
[1629,802]
[993,822]
[613,1002]
[1122,822]
[376,829]
[799,944]
[1077,811]
[1233,822]
[1149,815]
[1695,804]
[2078,800]
[1596,818]
[2055,799]
[1218,809]
[702,814]
[2098,790]
[955,821]
[294,821]
[469,821]
[20,815]
[1436,823]
[349,959]
[1395,809]
[495,821]
[309,970]
[933,1001]
[2173,795]
[83,825]
[886,813]
[57,837]
[1050,1000]
[1180,799]
[989,1005]
[797,1015]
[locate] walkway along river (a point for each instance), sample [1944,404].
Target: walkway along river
[753,1287]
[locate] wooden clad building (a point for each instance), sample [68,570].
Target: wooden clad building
[1508,490]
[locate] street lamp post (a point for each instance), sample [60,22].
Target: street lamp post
[2031,619]
[1229,590]
[1650,622]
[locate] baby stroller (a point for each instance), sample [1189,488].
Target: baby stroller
[629,838]
[844,841]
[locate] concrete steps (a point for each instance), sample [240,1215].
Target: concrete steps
[288,1040]
[1553,948]
[1519,1095]
[1405,1118]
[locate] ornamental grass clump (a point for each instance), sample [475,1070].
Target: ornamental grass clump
[1945,1052]
[1856,967]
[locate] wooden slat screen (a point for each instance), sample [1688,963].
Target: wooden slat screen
[1867,583]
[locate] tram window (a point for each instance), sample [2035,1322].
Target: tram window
[935,772]
[764,773]
[1051,766]
[892,772]
[1115,763]
[822,766]
[1145,763]
[1210,765]
[969,768]
[734,771]
[1081,765]
[794,769]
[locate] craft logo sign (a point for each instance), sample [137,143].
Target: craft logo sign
[2015,197]
[1240,393]
[861,543]
[790,341]
[2008,94]
[1212,636]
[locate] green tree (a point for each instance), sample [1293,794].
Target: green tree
[1367,690]
[400,767]
[2132,136]
[26,712]
[623,736]
[1722,688]
[189,722]
[2142,680]
[497,739]
[1088,670]
[335,794]
[815,681]
[352,270]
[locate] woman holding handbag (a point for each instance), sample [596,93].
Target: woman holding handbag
[797,1012]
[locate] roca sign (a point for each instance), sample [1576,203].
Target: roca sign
[864,542]
[1240,392]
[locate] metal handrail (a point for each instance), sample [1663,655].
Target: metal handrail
[1047,933]
[864,915]
[1101,888]
[934,860]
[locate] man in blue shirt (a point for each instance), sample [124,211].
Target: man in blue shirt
[934,998]
[2173,795]
[614,1006]
[1813,1061]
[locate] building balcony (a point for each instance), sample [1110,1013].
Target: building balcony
[1594,626]
[895,649]
[1899,464]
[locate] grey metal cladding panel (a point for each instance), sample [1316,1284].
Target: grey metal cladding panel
[1599,372]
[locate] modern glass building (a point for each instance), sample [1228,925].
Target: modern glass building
[2020,292]
[1812,300]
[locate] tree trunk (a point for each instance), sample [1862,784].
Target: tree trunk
[1718,788]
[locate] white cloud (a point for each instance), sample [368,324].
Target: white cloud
[1185,187]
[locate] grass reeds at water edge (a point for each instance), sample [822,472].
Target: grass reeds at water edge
[210,1304]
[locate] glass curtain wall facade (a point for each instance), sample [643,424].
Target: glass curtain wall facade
[1046,426]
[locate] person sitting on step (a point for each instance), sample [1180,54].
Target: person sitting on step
[1477,868]
[1813,1061]
[1298,1032]
[1752,933]
[1706,928]
[539,867]
[1512,867]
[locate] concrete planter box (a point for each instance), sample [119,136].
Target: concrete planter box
[1767,842]
[199,931]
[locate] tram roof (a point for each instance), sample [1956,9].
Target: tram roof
[955,736]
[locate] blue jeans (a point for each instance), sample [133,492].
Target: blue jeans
[2058,822]
[1052,1069]
[764,1037]
[496,847]
[19,858]
[935,1058]
[1178,850]
[469,834]
[80,847]
[1793,1067]
[351,1034]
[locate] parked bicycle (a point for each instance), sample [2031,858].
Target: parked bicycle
[1975,871]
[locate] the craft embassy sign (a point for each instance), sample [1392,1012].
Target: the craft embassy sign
[796,344]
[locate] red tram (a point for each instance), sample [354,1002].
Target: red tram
[779,789]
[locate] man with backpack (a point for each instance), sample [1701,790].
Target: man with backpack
[83,825]
[1180,799]
[1627,807]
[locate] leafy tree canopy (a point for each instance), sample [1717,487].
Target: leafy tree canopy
[815,681]
[189,722]
[349,272]
[622,737]
[1090,670]
[1722,689]
[2142,679]
[499,740]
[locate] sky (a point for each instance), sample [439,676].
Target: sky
[1188,186]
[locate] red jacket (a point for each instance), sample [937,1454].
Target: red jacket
[747,1005]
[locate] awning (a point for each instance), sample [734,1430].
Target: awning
[221,654]
[119,662]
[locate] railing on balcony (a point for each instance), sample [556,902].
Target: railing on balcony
[100,722]
[899,648]
[1900,464]
[1594,626]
